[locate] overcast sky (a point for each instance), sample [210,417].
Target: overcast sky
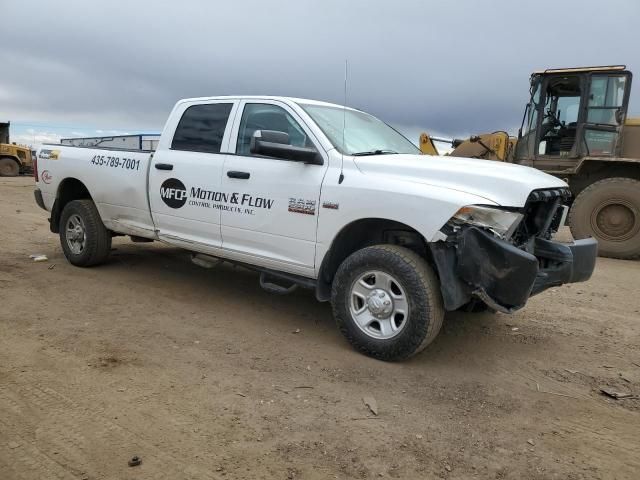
[450,67]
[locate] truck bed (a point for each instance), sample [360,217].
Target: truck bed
[119,190]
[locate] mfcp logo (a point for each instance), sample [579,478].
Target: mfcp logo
[173,193]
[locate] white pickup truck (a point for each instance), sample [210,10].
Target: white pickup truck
[326,197]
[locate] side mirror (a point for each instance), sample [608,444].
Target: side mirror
[272,143]
[271,136]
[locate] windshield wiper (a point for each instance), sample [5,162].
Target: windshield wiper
[374,152]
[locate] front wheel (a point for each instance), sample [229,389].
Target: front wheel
[84,239]
[9,167]
[609,210]
[386,301]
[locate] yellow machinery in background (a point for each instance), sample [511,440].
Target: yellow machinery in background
[575,127]
[14,159]
[488,146]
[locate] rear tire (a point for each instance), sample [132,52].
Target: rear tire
[609,211]
[83,237]
[9,167]
[373,276]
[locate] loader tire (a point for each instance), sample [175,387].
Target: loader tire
[373,276]
[84,239]
[609,211]
[9,167]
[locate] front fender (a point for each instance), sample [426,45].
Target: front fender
[424,208]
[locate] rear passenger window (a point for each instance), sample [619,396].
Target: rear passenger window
[201,128]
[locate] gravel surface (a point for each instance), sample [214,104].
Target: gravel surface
[202,375]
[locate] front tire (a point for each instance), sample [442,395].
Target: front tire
[609,211]
[386,301]
[9,167]
[84,239]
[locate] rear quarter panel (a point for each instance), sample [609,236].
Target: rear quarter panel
[115,179]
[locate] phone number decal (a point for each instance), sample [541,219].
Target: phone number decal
[116,162]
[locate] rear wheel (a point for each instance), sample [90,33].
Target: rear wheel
[83,237]
[386,301]
[609,211]
[9,167]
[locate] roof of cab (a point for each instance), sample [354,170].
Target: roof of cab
[263,97]
[582,69]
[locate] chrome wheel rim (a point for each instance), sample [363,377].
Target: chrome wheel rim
[75,234]
[378,304]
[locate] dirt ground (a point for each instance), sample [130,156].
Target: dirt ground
[204,376]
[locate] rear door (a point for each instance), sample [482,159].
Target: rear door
[271,219]
[184,178]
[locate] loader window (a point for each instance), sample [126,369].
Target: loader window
[606,97]
[560,121]
[568,108]
[526,143]
[532,110]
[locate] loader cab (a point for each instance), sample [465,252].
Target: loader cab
[573,113]
[4,132]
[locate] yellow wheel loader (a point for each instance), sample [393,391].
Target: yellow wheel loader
[14,159]
[575,127]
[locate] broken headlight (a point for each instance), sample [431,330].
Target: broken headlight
[501,222]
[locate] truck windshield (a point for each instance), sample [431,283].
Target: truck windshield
[363,134]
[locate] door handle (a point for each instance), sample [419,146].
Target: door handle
[241,175]
[164,166]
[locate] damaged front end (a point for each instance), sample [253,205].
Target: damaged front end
[503,259]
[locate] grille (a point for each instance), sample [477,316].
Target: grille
[539,213]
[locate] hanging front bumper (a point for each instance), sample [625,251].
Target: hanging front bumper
[476,264]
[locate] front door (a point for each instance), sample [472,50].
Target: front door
[559,123]
[184,178]
[271,217]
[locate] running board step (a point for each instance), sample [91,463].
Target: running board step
[267,282]
[205,261]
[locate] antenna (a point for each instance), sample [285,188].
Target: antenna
[344,120]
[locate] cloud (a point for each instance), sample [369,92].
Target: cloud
[456,68]
[35,137]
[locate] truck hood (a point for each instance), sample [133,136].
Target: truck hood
[502,183]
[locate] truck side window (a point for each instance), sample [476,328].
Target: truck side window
[262,116]
[202,127]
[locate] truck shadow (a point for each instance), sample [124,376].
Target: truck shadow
[465,339]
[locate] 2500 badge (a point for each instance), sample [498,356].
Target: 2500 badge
[116,162]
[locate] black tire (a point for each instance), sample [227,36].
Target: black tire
[97,239]
[417,278]
[609,211]
[9,167]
